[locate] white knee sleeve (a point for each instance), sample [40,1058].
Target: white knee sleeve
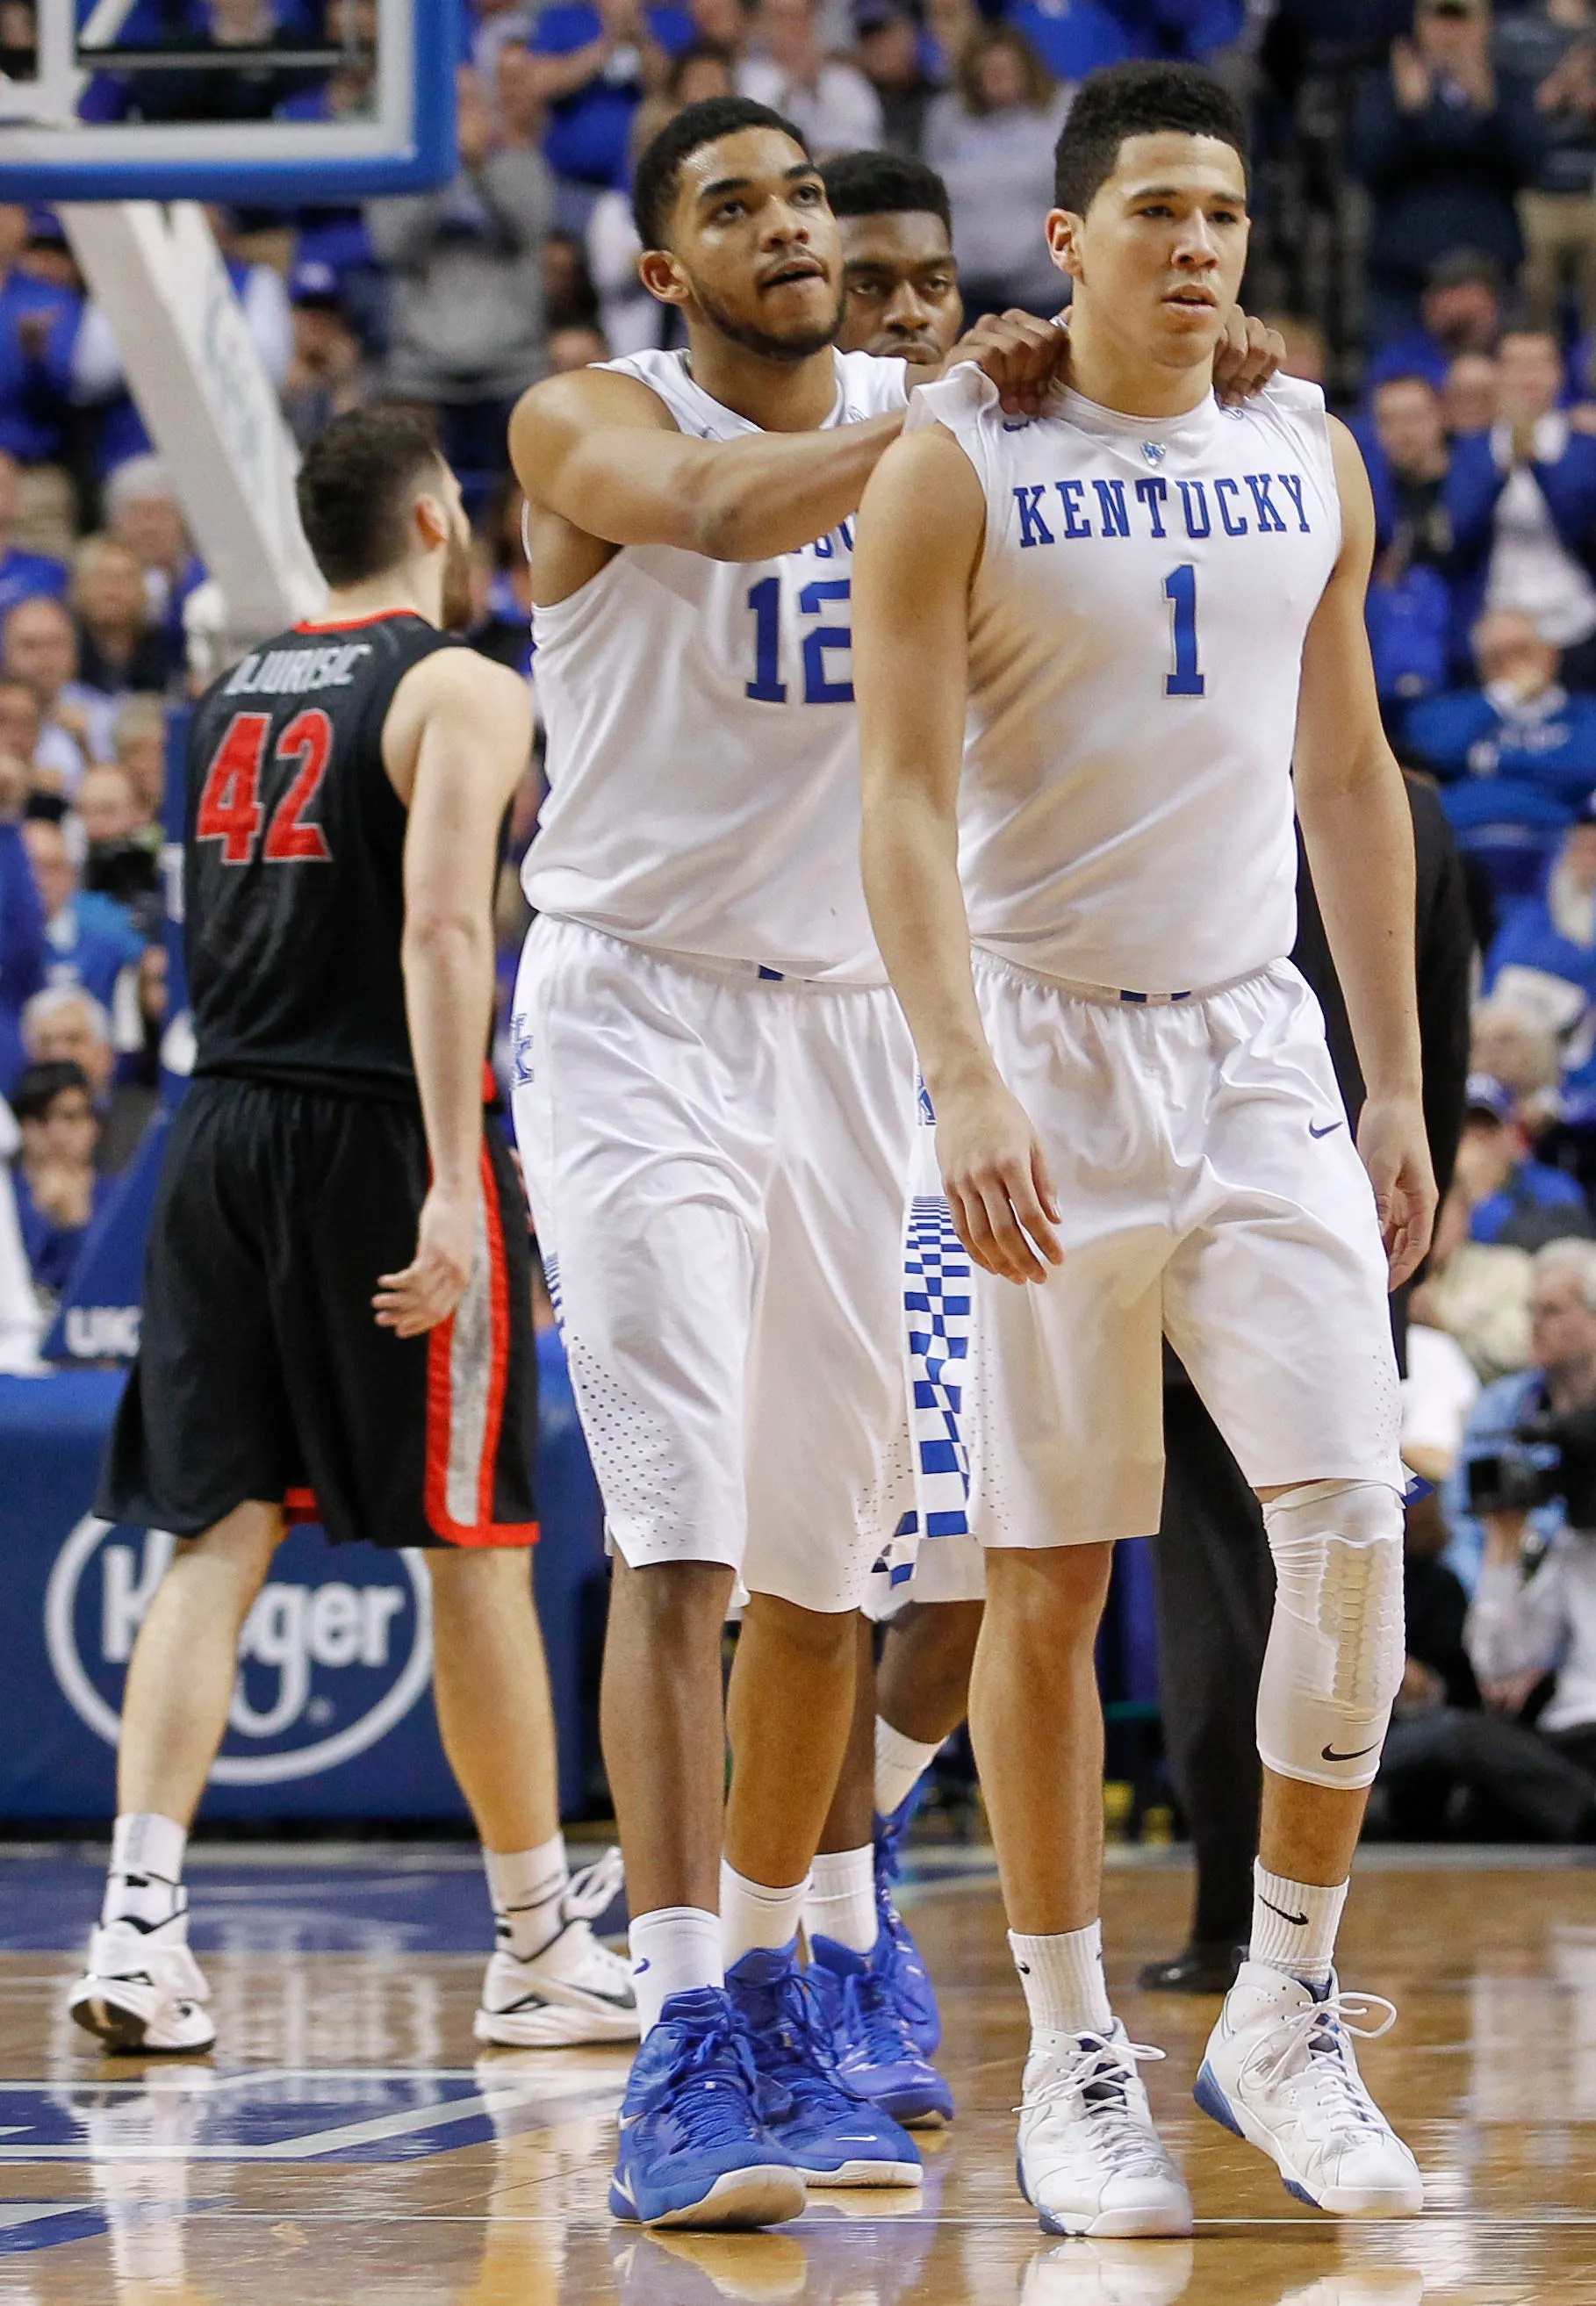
[1334,1661]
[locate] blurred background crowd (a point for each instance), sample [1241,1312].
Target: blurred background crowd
[1425,238]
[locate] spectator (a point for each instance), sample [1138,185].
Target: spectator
[594,64]
[1519,1050]
[579,345]
[139,737]
[1075,36]
[950,27]
[1515,1201]
[22,575]
[1522,504]
[632,320]
[1535,1607]
[23,949]
[142,512]
[119,650]
[38,645]
[1460,315]
[1307,355]
[1444,144]
[891,57]
[1544,958]
[326,374]
[468,327]
[1552,46]
[58,1189]
[992,143]
[38,325]
[1472,396]
[90,939]
[1477,1296]
[65,1025]
[788,68]
[21,1320]
[1409,607]
[1517,754]
[50,760]
[123,847]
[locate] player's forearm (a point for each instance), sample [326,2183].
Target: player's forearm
[776,493]
[910,858]
[448,999]
[1358,836]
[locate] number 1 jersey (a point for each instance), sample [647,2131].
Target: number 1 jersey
[1135,656]
[702,759]
[294,897]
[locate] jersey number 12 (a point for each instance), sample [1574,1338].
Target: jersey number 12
[767,687]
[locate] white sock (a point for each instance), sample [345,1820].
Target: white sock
[1295,1925]
[752,1916]
[674,1949]
[842,1900]
[145,1883]
[526,1886]
[1065,1990]
[901,1762]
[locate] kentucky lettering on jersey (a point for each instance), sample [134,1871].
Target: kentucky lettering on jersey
[1135,653]
[703,759]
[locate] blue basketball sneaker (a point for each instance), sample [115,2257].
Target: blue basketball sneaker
[876,2055]
[694,2148]
[908,1979]
[835,2137]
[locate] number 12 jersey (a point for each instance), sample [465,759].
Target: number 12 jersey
[703,759]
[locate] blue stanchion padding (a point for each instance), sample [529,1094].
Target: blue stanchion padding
[332,1716]
[98,1318]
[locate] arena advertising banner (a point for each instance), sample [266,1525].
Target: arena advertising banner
[331,1714]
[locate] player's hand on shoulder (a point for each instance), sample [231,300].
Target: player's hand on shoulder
[1394,1150]
[1024,357]
[995,1174]
[434,1283]
[1248,356]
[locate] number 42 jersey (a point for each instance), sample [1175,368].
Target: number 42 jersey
[702,759]
[1136,633]
[294,897]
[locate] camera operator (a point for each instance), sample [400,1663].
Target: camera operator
[1534,1608]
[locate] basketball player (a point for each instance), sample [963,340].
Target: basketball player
[714,1102]
[1141,599]
[336,1310]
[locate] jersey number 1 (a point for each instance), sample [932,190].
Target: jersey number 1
[1180,589]
[229,810]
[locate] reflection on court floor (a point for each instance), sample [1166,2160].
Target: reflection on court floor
[345,2145]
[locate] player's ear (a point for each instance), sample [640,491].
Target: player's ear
[1063,240]
[662,277]
[431,519]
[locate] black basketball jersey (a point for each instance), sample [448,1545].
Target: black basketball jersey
[294,894]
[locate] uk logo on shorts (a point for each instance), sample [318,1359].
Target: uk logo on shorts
[521,1072]
[335,1650]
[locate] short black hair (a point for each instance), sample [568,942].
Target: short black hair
[1140,100]
[659,171]
[885,184]
[36,1087]
[354,488]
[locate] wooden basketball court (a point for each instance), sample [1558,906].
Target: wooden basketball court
[346,2149]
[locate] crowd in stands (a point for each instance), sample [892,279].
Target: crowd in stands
[1424,197]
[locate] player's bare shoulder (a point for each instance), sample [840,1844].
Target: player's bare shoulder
[553,417]
[484,707]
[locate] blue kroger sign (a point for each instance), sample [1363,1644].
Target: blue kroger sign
[335,1650]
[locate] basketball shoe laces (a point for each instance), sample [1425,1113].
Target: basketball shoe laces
[873,2021]
[587,1893]
[1097,2076]
[1308,2048]
[712,2085]
[797,2062]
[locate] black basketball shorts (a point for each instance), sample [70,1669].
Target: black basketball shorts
[261,1371]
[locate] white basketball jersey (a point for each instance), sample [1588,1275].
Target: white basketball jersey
[1136,638]
[703,759]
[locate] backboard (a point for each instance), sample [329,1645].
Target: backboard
[247,101]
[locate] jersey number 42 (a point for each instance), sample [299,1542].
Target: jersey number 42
[230,809]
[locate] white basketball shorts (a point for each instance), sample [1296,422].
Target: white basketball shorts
[716,1164]
[1211,1191]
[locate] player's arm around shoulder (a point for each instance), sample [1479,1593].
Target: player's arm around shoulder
[921,529]
[1359,834]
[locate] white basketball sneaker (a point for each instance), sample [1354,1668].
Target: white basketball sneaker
[143,1990]
[1090,2160]
[1281,2072]
[575,1990]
